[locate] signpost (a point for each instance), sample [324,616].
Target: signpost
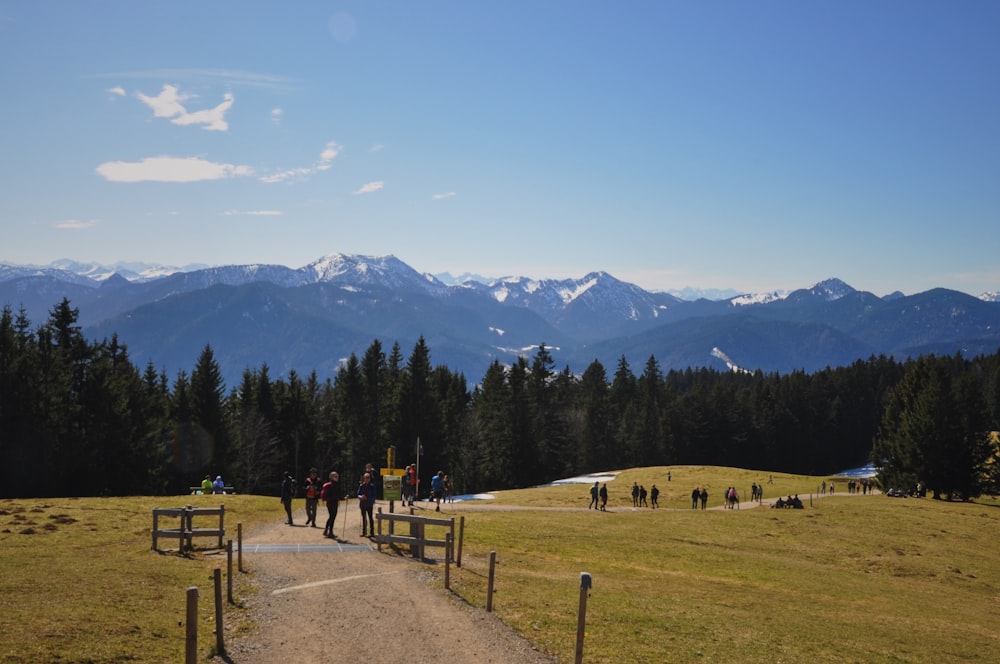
[392,487]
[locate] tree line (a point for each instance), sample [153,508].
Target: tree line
[78,418]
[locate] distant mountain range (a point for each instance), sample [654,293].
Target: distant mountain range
[314,317]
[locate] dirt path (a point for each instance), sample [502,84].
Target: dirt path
[322,607]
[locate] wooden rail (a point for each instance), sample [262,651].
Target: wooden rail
[186,532]
[417,539]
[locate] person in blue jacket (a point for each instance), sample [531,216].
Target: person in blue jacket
[437,489]
[366,501]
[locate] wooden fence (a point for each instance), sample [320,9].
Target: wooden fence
[417,538]
[186,532]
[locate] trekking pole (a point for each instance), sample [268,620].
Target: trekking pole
[347,503]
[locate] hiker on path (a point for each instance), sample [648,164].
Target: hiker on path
[437,489]
[604,497]
[704,498]
[635,494]
[594,494]
[366,502]
[313,488]
[654,497]
[642,497]
[287,491]
[695,495]
[330,493]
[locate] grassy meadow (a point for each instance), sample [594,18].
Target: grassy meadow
[80,583]
[847,579]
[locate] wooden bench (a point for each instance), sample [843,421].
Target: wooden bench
[197,490]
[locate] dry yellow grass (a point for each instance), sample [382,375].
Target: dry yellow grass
[848,579]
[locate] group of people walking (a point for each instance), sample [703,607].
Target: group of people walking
[330,493]
[316,489]
[639,494]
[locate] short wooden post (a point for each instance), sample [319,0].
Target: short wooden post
[447,560]
[239,544]
[451,533]
[156,526]
[461,536]
[378,539]
[220,645]
[191,628]
[187,526]
[489,583]
[581,620]
[414,549]
[229,571]
[222,523]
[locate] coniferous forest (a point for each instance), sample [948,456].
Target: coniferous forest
[78,418]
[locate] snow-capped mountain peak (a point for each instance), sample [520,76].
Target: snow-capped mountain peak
[368,270]
[832,289]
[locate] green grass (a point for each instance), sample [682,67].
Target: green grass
[80,583]
[848,579]
[675,493]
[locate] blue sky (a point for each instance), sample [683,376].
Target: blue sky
[745,145]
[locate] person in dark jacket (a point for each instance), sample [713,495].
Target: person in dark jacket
[366,501]
[330,494]
[287,492]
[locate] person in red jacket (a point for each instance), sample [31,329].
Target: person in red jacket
[313,486]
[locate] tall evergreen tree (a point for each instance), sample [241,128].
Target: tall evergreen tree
[207,395]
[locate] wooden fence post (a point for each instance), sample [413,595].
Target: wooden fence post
[229,571]
[461,536]
[581,620]
[191,628]
[239,543]
[220,645]
[222,522]
[447,561]
[489,583]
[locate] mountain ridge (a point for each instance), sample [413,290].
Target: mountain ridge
[312,317]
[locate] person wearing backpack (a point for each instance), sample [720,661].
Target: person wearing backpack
[313,487]
[330,494]
[437,489]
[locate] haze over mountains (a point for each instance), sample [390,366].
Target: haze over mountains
[313,317]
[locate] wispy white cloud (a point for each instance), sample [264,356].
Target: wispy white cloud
[229,78]
[117,90]
[276,115]
[371,187]
[76,224]
[168,104]
[170,169]
[326,158]
[378,147]
[253,213]
[439,197]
